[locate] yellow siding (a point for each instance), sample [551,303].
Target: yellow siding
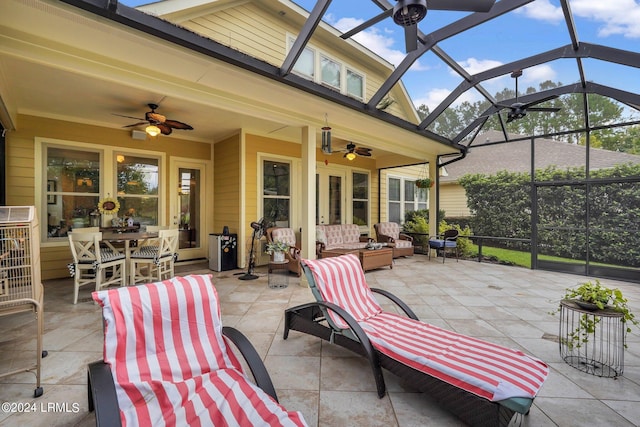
[226,184]
[21,174]
[262,34]
[453,200]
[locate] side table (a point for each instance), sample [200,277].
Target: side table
[278,274]
[592,341]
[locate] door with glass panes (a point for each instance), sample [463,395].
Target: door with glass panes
[188,207]
[330,196]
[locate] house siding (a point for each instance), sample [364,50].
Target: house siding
[263,34]
[22,177]
[226,184]
[453,200]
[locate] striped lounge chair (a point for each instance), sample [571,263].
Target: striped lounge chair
[481,383]
[167,362]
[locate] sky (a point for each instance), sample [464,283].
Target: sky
[533,29]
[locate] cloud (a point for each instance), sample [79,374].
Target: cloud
[538,74]
[381,43]
[616,17]
[475,66]
[543,10]
[435,96]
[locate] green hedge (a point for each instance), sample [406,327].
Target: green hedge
[501,207]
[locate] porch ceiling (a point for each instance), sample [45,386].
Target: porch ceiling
[61,62]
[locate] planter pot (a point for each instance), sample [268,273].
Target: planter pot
[278,256]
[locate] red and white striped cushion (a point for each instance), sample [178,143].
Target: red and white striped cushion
[170,362]
[341,281]
[485,369]
[482,368]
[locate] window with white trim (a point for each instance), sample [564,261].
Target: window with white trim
[404,197]
[137,184]
[76,178]
[360,199]
[323,69]
[355,84]
[71,187]
[306,63]
[276,192]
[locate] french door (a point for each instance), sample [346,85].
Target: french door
[330,196]
[188,181]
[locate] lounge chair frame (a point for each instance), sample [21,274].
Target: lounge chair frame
[311,318]
[101,389]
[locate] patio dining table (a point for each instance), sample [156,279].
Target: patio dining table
[139,236]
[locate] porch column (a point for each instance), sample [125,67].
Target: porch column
[433,195]
[308,195]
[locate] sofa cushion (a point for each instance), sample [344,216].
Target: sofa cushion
[333,234]
[350,233]
[391,229]
[401,243]
[285,235]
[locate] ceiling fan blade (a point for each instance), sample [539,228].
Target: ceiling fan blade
[362,151]
[539,101]
[128,117]
[547,109]
[177,125]
[164,129]
[411,38]
[136,124]
[462,5]
[367,24]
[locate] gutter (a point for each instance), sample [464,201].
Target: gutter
[164,30]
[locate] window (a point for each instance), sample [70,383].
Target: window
[330,72]
[137,188]
[71,188]
[355,84]
[404,197]
[395,201]
[360,199]
[322,69]
[276,194]
[306,63]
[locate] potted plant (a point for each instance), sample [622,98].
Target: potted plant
[277,248]
[594,296]
[424,182]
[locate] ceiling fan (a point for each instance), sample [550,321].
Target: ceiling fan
[152,118]
[351,151]
[407,14]
[518,110]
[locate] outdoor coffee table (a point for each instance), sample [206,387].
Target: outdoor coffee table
[376,258]
[369,258]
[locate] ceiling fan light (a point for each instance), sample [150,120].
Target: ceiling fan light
[409,12]
[152,130]
[350,156]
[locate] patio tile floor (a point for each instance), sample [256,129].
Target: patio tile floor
[331,386]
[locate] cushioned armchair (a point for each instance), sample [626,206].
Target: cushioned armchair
[447,241]
[288,236]
[389,232]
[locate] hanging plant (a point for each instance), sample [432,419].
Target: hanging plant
[424,183]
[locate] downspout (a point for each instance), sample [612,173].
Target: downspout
[463,154]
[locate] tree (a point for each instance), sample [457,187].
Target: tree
[602,111]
